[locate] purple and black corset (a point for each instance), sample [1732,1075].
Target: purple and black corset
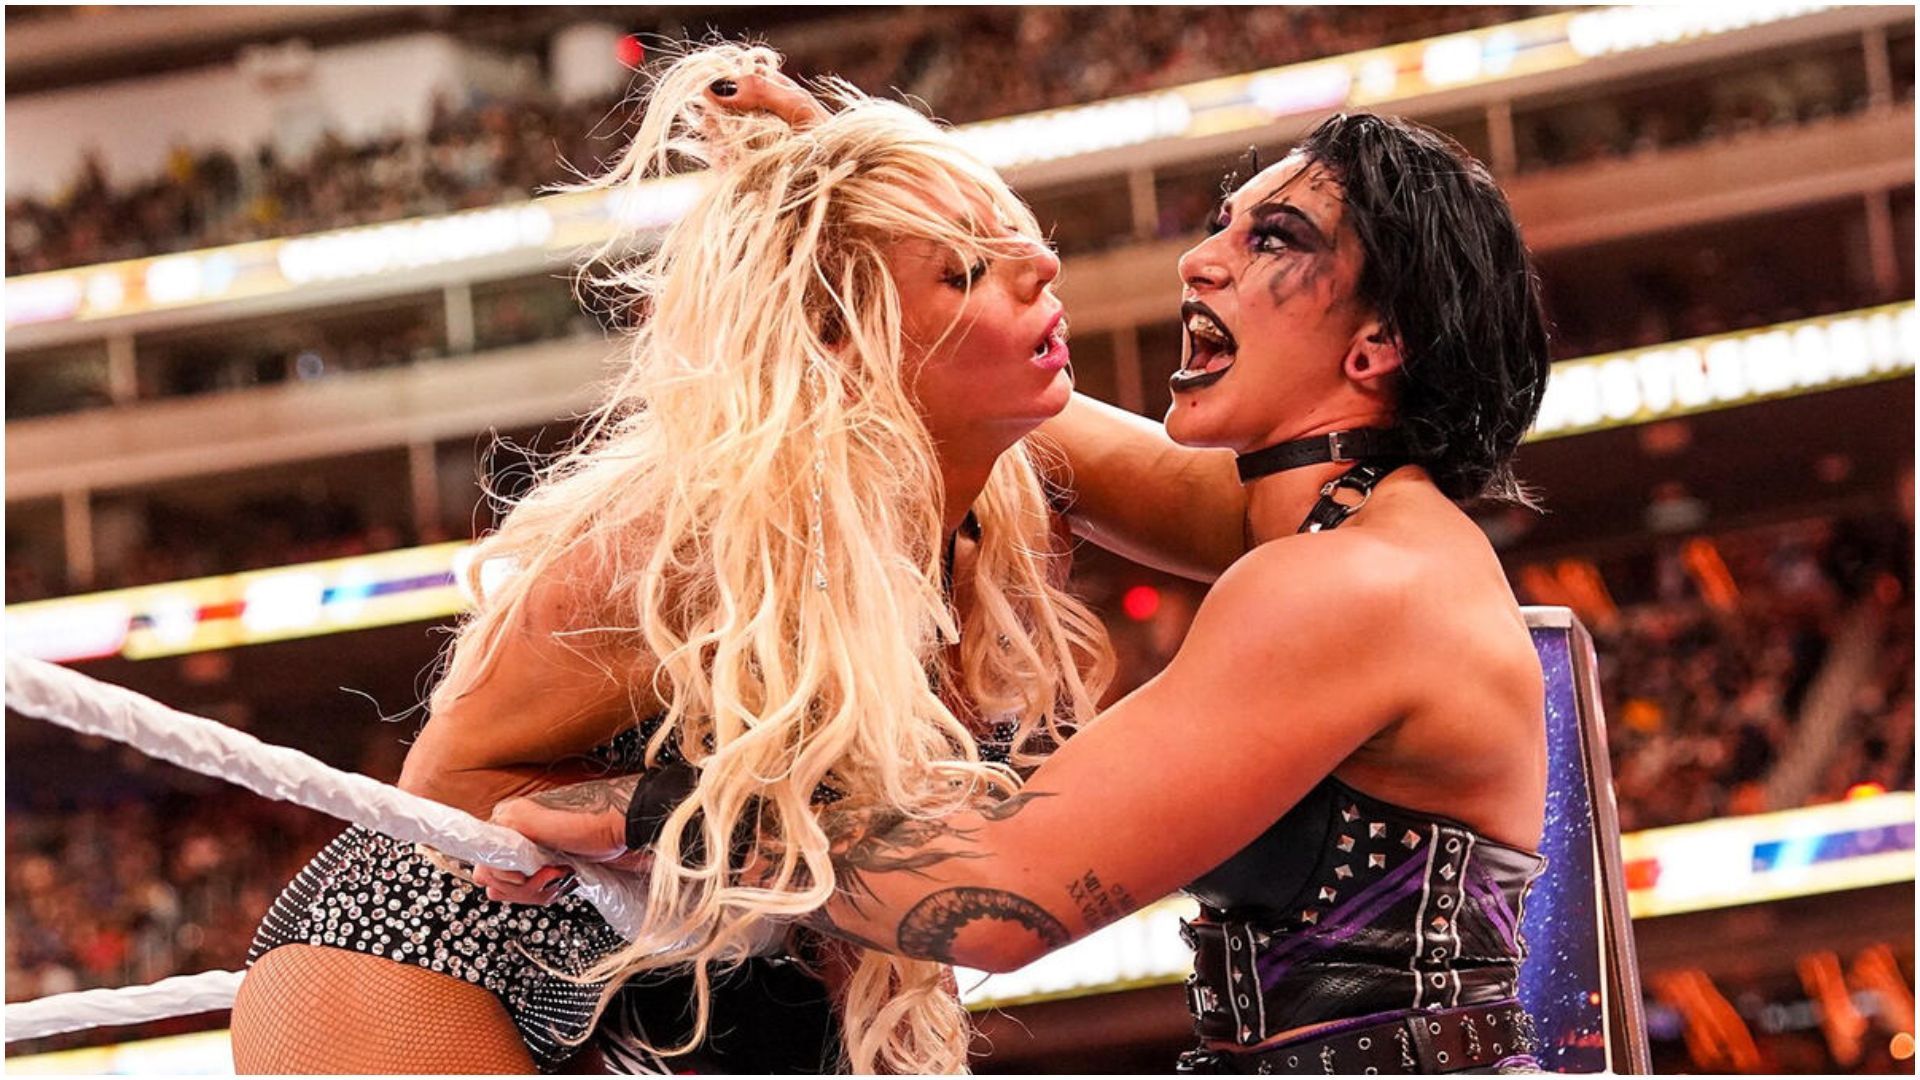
[1350,906]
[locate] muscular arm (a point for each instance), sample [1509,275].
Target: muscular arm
[1258,706]
[1162,787]
[541,703]
[1140,494]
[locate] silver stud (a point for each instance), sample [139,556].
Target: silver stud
[1343,871]
[1376,829]
[1439,922]
[1411,839]
[1309,917]
[1351,813]
[1345,843]
[1246,1034]
[1376,861]
[1447,872]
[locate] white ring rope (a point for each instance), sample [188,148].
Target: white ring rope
[72,700]
[176,996]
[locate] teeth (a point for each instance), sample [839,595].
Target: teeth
[1202,327]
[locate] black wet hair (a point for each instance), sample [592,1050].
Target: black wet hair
[1446,271]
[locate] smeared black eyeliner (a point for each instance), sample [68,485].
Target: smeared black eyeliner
[1267,211]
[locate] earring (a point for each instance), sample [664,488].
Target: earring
[819,534]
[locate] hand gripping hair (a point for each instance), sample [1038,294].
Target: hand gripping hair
[750,531]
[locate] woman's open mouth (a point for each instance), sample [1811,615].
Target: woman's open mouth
[1051,353]
[1209,349]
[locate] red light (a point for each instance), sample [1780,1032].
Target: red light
[630,52]
[1140,602]
[1865,791]
[1642,874]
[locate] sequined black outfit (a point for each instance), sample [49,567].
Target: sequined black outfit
[373,894]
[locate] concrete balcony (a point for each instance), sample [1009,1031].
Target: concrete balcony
[148,442]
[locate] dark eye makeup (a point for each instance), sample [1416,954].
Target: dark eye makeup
[1268,238]
[961,279]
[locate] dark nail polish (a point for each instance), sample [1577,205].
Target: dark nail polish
[723,88]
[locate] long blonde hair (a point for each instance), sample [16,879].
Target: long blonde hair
[756,510]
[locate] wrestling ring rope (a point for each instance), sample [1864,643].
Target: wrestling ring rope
[72,700]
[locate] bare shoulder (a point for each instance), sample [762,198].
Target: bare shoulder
[1364,580]
[1303,610]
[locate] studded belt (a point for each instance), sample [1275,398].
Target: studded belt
[1224,993]
[1233,1001]
[1435,1041]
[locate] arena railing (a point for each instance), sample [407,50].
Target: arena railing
[1483,68]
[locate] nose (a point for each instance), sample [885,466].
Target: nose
[1043,264]
[1201,268]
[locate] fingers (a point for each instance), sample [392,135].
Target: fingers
[768,92]
[595,834]
[540,888]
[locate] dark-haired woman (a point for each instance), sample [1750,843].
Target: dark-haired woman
[1345,762]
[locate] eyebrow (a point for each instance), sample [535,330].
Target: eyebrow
[1272,209]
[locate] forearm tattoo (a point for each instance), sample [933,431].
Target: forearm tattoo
[592,796]
[867,842]
[931,928]
[1100,903]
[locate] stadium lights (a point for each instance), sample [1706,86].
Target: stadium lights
[561,225]
[430,582]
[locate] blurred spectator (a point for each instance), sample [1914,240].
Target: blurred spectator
[1701,687]
[1761,93]
[129,891]
[967,64]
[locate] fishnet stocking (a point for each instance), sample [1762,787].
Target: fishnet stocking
[313,1009]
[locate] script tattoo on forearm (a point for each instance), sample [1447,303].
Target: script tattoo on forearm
[592,796]
[1100,903]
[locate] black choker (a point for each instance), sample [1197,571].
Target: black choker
[1358,444]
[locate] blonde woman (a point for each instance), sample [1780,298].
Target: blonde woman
[1345,761]
[821,425]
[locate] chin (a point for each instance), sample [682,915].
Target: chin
[1197,419]
[1057,395]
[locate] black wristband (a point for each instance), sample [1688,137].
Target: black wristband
[654,801]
